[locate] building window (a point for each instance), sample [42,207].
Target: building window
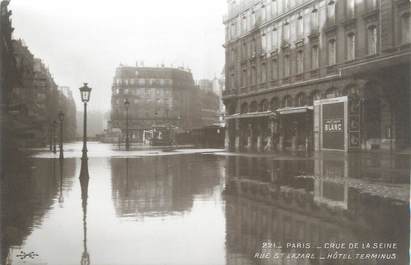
[263,73]
[286,4]
[331,12]
[350,46]
[372,40]
[405,28]
[252,19]
[314,20]
[274,38]
[263,12]
[253,75]
[244,78]
[275,104]
[300,27]
[286,65]
[332,52]
[274,70]
[300,62]
[264,42]
[301,100]
[286,32]
[274,8]
[350,8]
[244,23]
[314,57]
[126,91]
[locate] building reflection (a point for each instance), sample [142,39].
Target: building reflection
[29,189]
[312,201]
[161,185]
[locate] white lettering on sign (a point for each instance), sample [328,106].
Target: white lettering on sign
[334,125]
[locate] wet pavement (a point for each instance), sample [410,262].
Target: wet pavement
[204,206]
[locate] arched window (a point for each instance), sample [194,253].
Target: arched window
[301,100]
[274,104]
[253,106]
[372,40]
[244,107]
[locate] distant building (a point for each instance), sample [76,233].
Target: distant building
[284,56]
[157,96]
[209,102]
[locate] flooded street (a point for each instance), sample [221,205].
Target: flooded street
[205,206]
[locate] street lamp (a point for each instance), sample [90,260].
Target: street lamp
[85,97]
[54,137]
[127,104]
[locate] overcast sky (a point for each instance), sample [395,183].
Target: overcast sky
[85,40]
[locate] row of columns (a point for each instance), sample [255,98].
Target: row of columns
[263,134]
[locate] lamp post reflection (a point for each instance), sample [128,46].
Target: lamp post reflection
[84,179]
[51,137]
[61,119]
[54,137]
[61,198]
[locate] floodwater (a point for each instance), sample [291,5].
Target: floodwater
[204,207]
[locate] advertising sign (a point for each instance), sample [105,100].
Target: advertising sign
[333,126]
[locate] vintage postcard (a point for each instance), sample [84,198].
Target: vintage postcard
[205,132]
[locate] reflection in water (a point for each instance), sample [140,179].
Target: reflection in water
[29,189]
[161,185]
[84,179]
[160,208]
[315,201]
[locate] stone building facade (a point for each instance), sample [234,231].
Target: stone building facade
[30,98]
[282,55]
[157,96]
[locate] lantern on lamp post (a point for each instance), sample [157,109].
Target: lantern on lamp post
[85,97]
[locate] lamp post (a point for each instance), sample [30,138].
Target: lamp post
[127,104]
[61,119]
[54,137]
[85,97]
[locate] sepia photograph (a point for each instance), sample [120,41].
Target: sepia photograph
[205,132]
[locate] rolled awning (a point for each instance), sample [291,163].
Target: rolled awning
[294,110]
[251,115]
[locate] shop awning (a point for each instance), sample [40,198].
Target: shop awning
[250,115]
[294,110]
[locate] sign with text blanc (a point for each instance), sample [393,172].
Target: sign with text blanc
[333,129]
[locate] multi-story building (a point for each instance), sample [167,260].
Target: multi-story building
[209,102]
[284,55]
[157,96]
